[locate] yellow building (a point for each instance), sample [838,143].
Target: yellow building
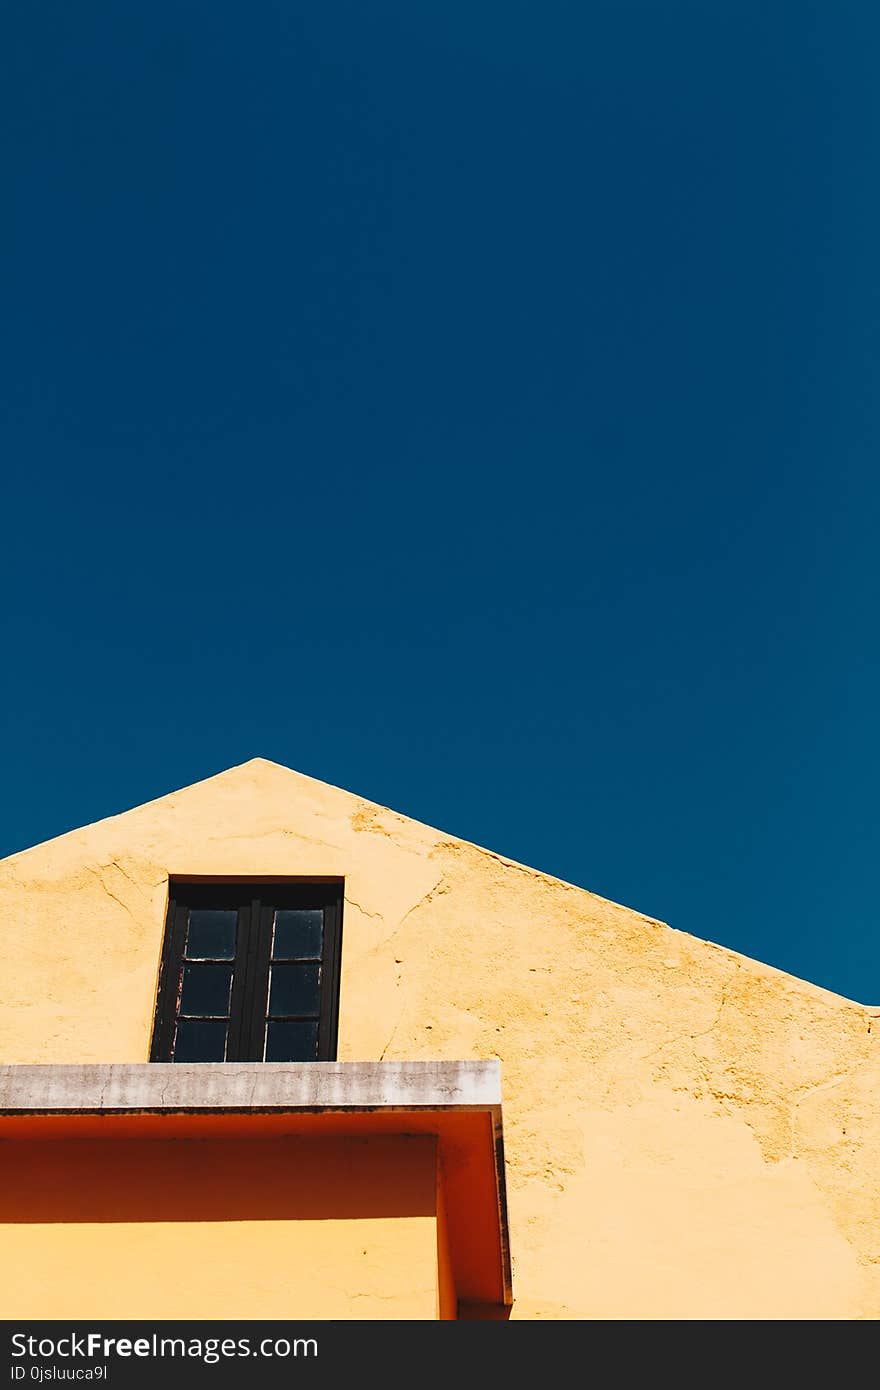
[254,1037]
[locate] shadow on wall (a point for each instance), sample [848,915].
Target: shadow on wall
[279,1179]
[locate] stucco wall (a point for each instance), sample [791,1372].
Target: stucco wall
[689,1132]
[209,1228]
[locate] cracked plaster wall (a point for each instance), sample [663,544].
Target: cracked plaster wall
[689,1132]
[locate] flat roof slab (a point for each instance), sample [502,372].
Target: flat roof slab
[459,1102]
[240,1086]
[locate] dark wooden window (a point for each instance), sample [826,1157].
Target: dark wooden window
[250,973]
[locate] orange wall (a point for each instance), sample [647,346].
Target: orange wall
[446,1295]
[342,1228]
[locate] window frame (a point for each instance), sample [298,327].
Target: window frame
[256,901]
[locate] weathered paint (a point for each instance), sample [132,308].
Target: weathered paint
[271,1087]
[689,1132]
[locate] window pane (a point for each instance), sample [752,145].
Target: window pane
[199,1040]
[299,934]
[206,988]
[211,933]
[295,989]
[291,1042]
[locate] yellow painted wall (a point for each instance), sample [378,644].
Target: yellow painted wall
[689,1132]
[207,1228]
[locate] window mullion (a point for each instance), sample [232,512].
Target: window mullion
[252,911]
[260,993]
[238,1002]
[329,984]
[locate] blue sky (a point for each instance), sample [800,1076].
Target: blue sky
[472,405]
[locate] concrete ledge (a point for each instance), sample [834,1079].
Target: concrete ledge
[216,1087]
[457,1102]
